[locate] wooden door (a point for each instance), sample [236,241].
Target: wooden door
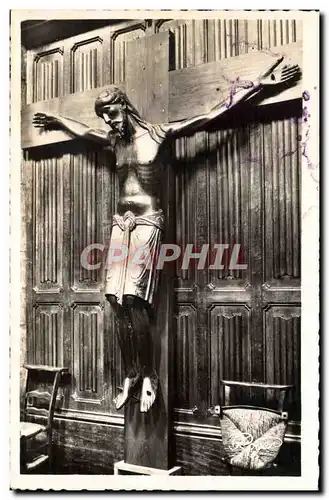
[236,324]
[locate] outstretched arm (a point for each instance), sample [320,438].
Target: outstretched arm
[241,91]
[48,121]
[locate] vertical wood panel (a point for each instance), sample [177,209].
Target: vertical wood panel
[87,64]
[229,192]
[230,344]
[86,185]
[186,208]
[220,194]
[186,358]
[88,353]
[282,153]
[46,346]
[47,75]
[47,224]
[282,350]
[208,40]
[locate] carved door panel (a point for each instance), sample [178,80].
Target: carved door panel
[70,195]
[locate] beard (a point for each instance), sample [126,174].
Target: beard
[120,131]
[123,132]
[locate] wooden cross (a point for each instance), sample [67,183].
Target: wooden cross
[161,96]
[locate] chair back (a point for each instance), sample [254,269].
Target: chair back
[274,395]
[41,394]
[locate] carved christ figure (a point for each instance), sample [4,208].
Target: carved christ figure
[139,147]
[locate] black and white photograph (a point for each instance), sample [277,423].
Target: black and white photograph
[165,172]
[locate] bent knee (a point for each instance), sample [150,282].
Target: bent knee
[112,299]
[133,301]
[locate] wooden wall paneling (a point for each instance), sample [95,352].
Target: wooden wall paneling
[48,224]
[47,324]
[282,202]
[186,206]
[186,376]
[44,305]
[47,338]
[229,192]
[115,374]
[282,351]
[29,78]
[87,64]
[66,269]
[198,456]
[210,39]
[265,34]
[218,39]
[88,353]
[282,256]
[93,196]
[108,192]
[230,346]
[192,228]
[40,32]
[23,75]
[256,257]
[82,447]
[223,41]
[48,74]
[107,201]
[201,202]
[26,265]
[86,219]
[201,237]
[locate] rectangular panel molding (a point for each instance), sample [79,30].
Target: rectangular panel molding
[45,341]
[87,353]
[48,225]
[282,350]
[229,347]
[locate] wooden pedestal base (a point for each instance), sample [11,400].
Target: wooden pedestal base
[124,468]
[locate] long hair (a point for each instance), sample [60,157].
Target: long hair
[114,95]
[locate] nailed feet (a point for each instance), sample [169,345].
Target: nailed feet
[149,392]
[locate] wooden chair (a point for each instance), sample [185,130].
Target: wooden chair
[252,435]
[39,403]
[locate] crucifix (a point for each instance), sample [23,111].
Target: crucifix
[143,119]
